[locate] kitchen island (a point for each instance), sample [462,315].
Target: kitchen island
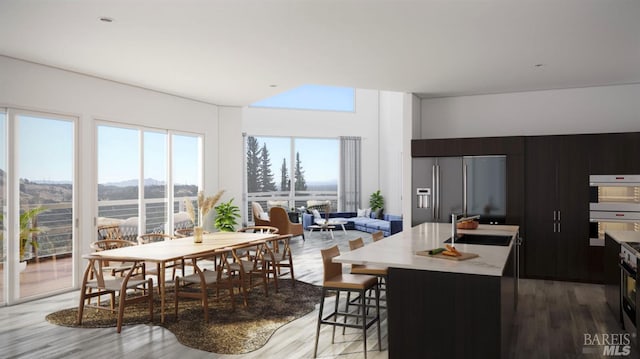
[439,308]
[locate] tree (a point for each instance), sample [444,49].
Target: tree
[284,176]
[266,183]
[253,161]
[301,184]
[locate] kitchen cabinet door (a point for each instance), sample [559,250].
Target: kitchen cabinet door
[541,178]
[557,209]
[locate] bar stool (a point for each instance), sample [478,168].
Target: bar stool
[379,272]
[335,280]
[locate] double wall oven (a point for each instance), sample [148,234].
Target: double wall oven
[614,205]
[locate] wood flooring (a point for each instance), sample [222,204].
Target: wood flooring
[552,320]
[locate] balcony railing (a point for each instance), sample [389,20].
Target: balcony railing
[298,200]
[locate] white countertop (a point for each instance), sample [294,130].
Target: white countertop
[624,236]
[399,250]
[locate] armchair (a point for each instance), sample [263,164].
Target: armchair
[260,217]
[280,219]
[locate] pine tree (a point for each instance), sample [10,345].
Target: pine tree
[253,161]
[266,183]
[301,184]
[284,176]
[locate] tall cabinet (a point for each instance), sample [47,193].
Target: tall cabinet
[557,208]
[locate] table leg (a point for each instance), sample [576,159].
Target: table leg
[161,284]
[331,231]
[343,229]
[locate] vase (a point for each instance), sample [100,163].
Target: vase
[197,234]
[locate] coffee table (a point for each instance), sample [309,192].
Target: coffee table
[326,227]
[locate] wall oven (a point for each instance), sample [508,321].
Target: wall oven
[614,205]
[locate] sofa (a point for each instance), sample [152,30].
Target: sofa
[390,224]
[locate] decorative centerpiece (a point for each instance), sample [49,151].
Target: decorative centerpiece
[205,204]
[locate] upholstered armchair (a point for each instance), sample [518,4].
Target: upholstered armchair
[260,217]
[280,219]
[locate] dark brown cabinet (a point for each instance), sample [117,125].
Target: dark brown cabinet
[557,208]
[612,277]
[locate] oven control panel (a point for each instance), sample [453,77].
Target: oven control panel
[629,255]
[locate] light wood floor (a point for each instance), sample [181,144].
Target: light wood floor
[552,320]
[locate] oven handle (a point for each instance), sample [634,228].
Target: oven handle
[630,271]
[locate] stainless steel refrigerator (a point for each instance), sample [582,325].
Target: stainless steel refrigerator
[469,185]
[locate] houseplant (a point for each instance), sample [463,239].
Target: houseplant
[376,202]
[205,204]
[226,214]
[26,230]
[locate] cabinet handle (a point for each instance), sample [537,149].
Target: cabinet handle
[559,227]
[554,226]
[554,219]
[558,218]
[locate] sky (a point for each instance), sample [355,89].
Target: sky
[45,149]
[313,97]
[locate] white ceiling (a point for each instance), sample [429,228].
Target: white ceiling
[229,52]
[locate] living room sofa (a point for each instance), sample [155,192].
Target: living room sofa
[391,224]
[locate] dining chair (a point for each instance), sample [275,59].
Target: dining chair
[259,229]
[248,263]
[129,289]
[277,254]
[109,231]
[199,284]
[376,236]
[183,232]
[335,280]
[105,244]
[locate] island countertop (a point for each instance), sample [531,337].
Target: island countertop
[399,250]
[624,236]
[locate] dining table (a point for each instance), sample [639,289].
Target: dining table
[176,249]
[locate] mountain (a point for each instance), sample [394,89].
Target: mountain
[133,183]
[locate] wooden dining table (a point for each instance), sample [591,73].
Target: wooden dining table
[171,250]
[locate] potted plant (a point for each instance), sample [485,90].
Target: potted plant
[26,232]
[376,202]
[227,212]
[205,204]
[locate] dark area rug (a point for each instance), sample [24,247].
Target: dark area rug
[228,332]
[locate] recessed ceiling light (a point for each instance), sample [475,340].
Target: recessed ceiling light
[273,85]
[106,19]
[538,65]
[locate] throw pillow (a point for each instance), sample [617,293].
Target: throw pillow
[264,216]
[377,214]
[361,213]
[367,212]
[316,214]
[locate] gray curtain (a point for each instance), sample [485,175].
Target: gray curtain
[349,196]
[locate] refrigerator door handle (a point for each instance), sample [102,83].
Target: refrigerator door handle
[464,190]
[438,193]
[434,194]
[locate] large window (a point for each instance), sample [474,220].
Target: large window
[166,165]
[290,171]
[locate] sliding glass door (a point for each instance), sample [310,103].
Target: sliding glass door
[37,184]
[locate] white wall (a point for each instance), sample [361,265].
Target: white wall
[34,87]
[568,111]
[390,149]
[231,152]
[364,122]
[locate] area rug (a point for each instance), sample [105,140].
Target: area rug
[228,332]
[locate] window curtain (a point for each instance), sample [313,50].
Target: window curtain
[349,193]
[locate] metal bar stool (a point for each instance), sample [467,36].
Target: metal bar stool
[335,280]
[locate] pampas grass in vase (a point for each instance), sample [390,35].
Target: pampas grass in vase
[205,204]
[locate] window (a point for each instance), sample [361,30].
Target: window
[130,158]
[290,171]
[313,97]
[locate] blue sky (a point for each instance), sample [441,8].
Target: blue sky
[45,149]
[313,97]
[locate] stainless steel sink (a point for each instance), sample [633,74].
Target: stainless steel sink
[491,240]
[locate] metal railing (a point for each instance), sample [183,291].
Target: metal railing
[293,202]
